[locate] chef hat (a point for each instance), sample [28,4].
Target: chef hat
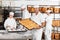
[29,5]
[23,6]
[11,13]
[48,11]
[36,6]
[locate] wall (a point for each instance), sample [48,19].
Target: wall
[19,3]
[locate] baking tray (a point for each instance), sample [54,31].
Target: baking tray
[29,24]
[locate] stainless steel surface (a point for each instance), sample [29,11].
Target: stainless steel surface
[20,35]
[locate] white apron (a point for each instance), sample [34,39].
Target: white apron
[48,29]
[37,35]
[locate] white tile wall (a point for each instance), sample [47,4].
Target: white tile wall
[19,3]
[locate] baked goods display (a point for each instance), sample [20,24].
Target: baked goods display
[53,36]
[29,24]
[56,23]
[56,10]
[43,9]
[32,9]
[57,35]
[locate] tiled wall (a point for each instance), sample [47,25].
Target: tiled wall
[19,3]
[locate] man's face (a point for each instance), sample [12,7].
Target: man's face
[11,16]
[36,10]
[47,13]
[22,9]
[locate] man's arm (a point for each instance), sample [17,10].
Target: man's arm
[43,24]
[14,25]
[5,24]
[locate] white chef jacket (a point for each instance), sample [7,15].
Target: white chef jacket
[49,27]
[10,22]
[26,14]
[38,18]
[49,19]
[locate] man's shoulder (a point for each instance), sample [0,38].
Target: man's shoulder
[14,19]
[7,20]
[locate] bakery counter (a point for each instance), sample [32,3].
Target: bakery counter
[18,35]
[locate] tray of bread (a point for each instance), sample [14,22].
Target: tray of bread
[56,23]
[28,23]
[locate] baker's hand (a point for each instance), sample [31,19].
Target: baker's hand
[7,26]
[13,29]
[41,26]
[38,27]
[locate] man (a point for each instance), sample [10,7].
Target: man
[39,19]
[25,13]
[48,30]
[10,23]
